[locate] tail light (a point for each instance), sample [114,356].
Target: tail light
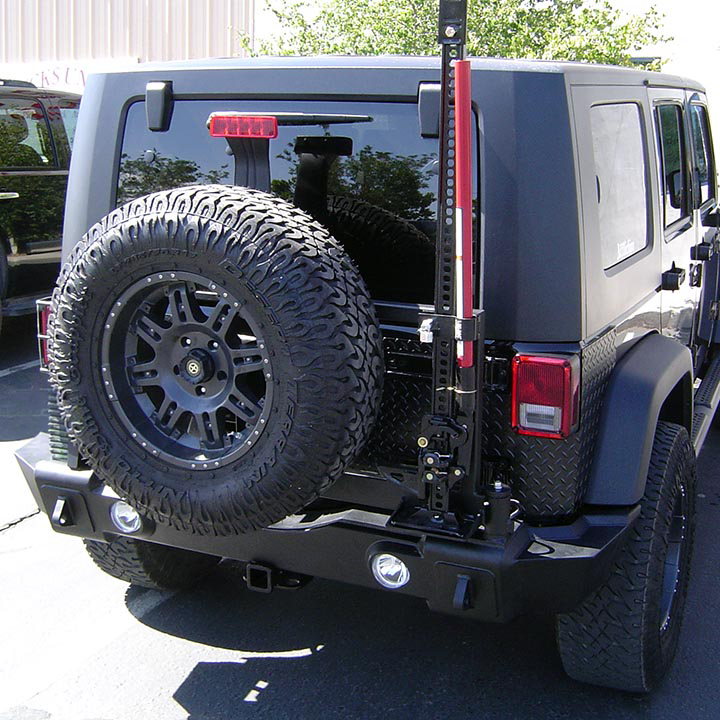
[42,308]
[236,125]
[545,395]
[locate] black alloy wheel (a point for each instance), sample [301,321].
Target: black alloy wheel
[194,387]
[674,558]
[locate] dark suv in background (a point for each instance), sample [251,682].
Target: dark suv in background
[36,133]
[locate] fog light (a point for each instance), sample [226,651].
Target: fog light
[390,571]
[125,518]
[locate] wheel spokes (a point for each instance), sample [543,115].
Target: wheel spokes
[209,430]
[169,414]
[147,329]
[221,317]
[144,374]
[246,359]
[182,306]
[243,407]
[195,383]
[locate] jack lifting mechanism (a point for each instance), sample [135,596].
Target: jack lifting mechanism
[449,456]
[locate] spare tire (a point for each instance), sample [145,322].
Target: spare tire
[216,357]
[395,259]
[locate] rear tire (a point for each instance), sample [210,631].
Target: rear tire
[626,633]
[149,565]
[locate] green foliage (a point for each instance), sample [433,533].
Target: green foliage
[387,180]
[396,183]
[139,177]
[591,30]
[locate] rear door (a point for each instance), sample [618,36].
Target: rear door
[704,189]
[681,276]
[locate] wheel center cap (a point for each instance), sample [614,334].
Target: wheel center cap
[193,367]
[197,366]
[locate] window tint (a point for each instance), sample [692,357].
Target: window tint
[703,170]
[63,115]
[391,166]
[24,134]
[672,151]
[621,180]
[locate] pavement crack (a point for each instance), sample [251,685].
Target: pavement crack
[13,523]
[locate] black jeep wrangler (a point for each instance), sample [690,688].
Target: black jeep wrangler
[448,329]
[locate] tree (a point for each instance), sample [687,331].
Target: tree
[591,30]
[141,176]
[397,184]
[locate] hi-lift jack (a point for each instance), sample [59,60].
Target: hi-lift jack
[449,457]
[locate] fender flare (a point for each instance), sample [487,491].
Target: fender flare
[642,381]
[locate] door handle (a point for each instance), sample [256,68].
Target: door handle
[673,278]
[702,251]
[9,196]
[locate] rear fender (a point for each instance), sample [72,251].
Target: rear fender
[652,381]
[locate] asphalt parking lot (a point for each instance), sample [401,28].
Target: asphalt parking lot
[78,645]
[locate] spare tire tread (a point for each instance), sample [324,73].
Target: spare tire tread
[296,270]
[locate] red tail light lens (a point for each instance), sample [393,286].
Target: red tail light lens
[43,315]
[545,395]
[243,126]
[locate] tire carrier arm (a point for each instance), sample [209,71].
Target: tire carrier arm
[449,458]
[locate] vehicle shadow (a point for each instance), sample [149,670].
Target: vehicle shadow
[331,650]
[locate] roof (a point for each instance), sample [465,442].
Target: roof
[578,71]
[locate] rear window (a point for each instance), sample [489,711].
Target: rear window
[621,180]
[391,165]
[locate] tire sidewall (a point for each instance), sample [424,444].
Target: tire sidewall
[299,449]
[678,479]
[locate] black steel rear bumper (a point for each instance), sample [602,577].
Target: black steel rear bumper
[535,569]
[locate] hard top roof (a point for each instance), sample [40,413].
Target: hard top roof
[576,71]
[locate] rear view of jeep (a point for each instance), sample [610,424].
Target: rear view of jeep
[444,329]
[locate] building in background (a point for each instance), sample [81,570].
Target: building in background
[57,43]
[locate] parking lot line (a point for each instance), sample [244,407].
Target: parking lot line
[19,368]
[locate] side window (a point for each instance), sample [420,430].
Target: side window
[672,156]
[24,135]
[621,180]
[703,166]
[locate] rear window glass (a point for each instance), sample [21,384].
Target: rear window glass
[620,180]
[24,135]
[391,165]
